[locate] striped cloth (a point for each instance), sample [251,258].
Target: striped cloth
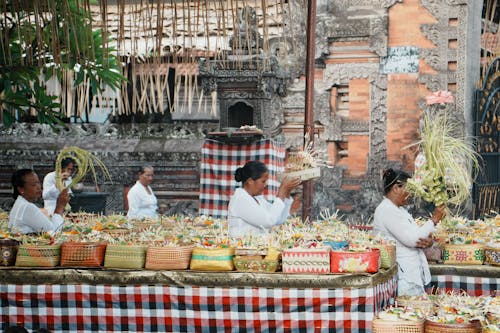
[219,161]
[162,308]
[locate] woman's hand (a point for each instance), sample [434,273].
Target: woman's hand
[65,175]
[287,185]
[62,201]
[424,243]
[295,204]
[438,214]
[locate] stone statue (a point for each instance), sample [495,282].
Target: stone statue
[246,36]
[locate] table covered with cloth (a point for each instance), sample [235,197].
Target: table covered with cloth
[220,160]
[82,300]
[475,280]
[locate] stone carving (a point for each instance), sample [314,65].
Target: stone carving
[431,31]
[246,36]
[343,5]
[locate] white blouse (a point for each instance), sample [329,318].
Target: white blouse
[51,192]
[255,215]
[141,204]
[397,224]
[26,217]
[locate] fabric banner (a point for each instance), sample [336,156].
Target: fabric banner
[160,308]
[472,285]
[219,161]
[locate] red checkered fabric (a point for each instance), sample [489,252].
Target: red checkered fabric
[472,285]
[219,161]
[159,308]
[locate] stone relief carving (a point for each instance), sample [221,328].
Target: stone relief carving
[432,32]
[343,5]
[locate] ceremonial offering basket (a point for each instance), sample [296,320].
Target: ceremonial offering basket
[305,174]
[426,306]
[216,259]
[397,326]
[492,255]
[8,250]
[307,261]
[466,254]
[125,256]
[255,264]
[168,257]
[387,254]
[433,327]
[82,254]
[355,262]
[38,255]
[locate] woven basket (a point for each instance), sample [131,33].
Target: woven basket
[168,257]
[125,256]
[433,327]
[306,261]
[38,255]
[492,255]
[354,262]
[397,326]
[466,254]
[255,264]
[387,254]
[81,254]
[426,306]
[204,259]
[8,251]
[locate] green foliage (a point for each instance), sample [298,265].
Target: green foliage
[58,41]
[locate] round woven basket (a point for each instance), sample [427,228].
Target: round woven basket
[397,326]
[433,327]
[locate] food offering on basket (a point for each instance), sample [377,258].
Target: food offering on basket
[399,313]
[270,262]
[453,308]
[387,250]
[398,320]
[422,304]
[304,163]
[358,258]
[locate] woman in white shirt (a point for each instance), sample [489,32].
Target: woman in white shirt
[248,211]
[25,216]
[394,222]
[50,190]
[141,200]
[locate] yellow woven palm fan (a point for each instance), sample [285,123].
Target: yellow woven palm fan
[85,162]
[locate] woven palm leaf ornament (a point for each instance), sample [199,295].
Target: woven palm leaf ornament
[447,162]
[85,163]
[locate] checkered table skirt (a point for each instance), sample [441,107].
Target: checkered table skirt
[219,161]
[473,285]
[141,308]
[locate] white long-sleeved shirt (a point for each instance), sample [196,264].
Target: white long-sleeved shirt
[51,192]
[141,204]
[26,217]
[255,215]
[397,224]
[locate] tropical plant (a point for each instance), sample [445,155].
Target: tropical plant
[42,39]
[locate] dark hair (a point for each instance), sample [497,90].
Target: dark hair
[17,180]
[15,329]
[392,177]
[252,169]
[143,168]
[67,161]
